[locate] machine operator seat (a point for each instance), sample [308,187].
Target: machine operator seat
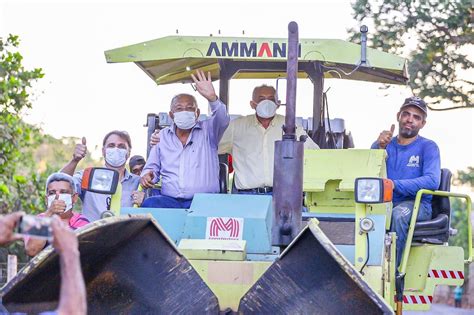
[436,230]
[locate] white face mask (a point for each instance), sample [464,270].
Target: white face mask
[115,157]
[67,198]
[185,120]
[266,109]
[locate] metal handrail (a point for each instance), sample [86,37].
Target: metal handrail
[406,251]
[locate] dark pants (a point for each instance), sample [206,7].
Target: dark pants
[162,201]
[457,303]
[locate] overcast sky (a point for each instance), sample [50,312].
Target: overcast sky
[82,95]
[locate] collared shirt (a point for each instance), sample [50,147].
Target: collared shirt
[194,167]
[93,204]
[252,148]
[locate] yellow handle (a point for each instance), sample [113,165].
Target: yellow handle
[116,200]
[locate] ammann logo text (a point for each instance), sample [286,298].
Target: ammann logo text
[243,49]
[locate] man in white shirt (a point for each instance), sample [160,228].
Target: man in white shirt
[251,142]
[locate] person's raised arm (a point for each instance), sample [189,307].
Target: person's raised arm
[219,117]
[7,225]
[72,296]
[384,138]
[79,153]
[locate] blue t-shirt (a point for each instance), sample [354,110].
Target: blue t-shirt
[413,167]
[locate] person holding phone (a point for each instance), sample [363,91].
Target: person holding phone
[60,199]
[72,295]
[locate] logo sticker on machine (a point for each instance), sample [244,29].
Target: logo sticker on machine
[223,228]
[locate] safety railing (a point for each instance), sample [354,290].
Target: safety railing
[406,251]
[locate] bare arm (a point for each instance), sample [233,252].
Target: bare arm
[72,296]
[219,117]
[70,167]
[7,225]
[80,152]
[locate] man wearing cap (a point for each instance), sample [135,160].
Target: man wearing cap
[136,164]
[413,163]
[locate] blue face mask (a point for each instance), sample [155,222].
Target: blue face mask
[115,157]
[185,120]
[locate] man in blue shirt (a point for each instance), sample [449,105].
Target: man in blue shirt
[413,163]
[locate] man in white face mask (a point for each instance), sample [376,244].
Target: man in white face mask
[116,151]
[60,199]
[251,142]
[186,156]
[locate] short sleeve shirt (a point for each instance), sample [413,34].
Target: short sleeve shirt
[93,204]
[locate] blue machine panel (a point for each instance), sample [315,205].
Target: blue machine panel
[255,210]
[171,220]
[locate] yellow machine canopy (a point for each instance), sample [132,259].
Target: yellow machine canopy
[172,59]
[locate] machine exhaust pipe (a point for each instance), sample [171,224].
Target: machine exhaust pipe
[288,163]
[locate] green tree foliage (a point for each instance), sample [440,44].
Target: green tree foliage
[19,184]
[441,33]
[466,177]
[17,139]
[27,156]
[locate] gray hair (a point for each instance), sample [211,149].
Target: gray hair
[175,99]
[61,177]
[255,90]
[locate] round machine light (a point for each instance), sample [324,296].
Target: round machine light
[107,214]
[366,225]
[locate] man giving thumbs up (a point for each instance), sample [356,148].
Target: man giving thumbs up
[413,163]
[116,151]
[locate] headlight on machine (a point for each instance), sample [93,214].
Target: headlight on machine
[100,180]
[373,190]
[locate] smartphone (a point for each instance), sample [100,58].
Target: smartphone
[34,226]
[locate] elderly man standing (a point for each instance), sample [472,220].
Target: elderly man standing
[115,150]
[251,142]
[186,156]
[60,199]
